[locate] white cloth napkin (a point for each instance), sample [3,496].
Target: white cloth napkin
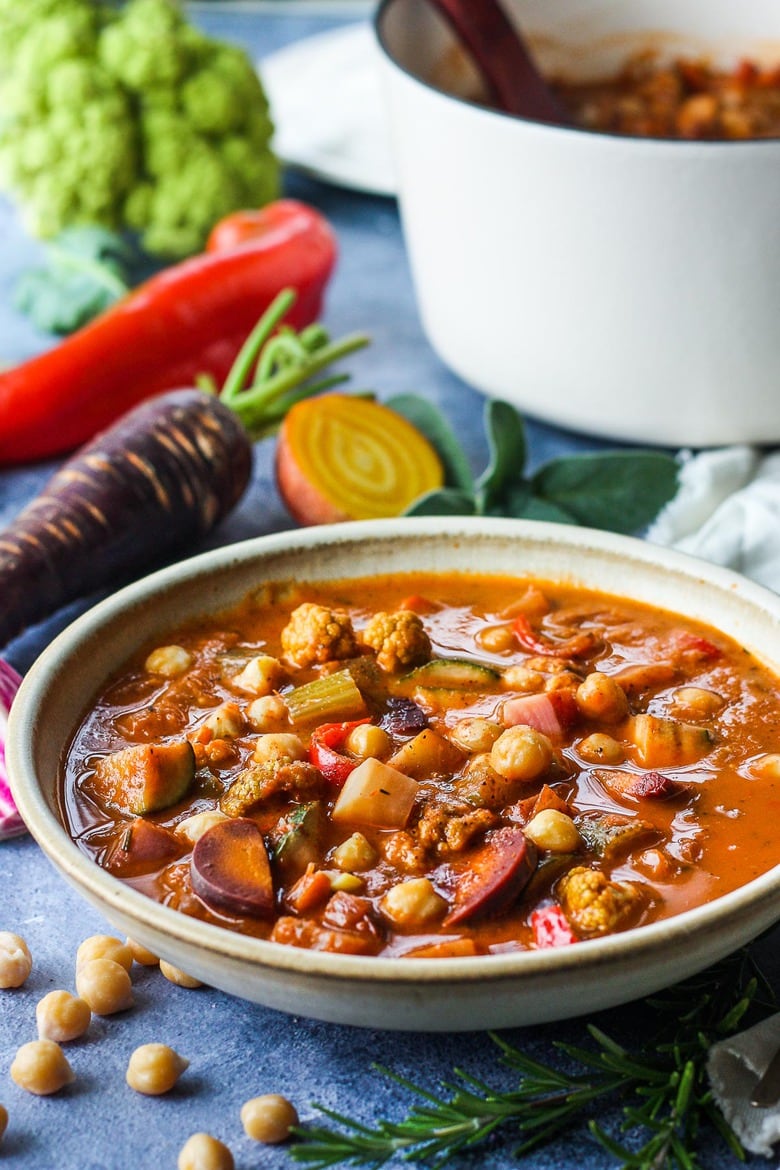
[728,511]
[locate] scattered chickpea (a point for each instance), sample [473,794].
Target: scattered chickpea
[15,960]
[601,749]
[496,639]
[204,1152]
[521,753]
[41,1067]
[105,985]
[279,747]
[192,828]
[356,853]
[696,702]
[600,697]
[475,735]
[269,1118]
[3,1120]
[104,946]
[177,976]
[369,740]
[268,713]
[260,676]
[141,954]
[553,831]
[61,1016]
[225,722]
[169,661]
[154,1069]
[520,678]
[413,903]
[765,767]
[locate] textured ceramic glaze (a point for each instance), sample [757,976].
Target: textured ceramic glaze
[619,286]
[419,994]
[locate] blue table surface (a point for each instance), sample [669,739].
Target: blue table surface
[238,1050]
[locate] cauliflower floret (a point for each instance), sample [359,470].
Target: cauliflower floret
[399,639]
[595,905]
[315,635]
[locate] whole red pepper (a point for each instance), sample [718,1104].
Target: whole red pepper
[188,320]
[324,754]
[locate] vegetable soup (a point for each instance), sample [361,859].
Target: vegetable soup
[432,765]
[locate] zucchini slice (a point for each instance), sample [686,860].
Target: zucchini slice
[456,674]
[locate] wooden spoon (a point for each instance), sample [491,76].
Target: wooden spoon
[508,70]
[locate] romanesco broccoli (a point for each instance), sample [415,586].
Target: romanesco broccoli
[128,118]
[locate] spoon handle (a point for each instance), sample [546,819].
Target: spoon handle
[505,65]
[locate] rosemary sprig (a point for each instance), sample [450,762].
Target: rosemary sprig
[663,1088]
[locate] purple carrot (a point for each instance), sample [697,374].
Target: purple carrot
[161,477]
[11,824]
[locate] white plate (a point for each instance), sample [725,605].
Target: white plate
[328,107]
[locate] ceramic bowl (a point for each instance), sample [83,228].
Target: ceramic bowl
[615,285]
[421,994]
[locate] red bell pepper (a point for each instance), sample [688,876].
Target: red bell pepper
[324,754]
[188,320]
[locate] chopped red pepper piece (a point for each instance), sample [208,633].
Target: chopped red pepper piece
[324,750]
[551,927]
[701,646]
[578,646]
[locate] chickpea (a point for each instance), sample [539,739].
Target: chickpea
[204,1152]
[260,676]
[520,678]
[600,697]
[15,960]
[696,703]
[269,1118]
[765,767]
[3,1120]
[268,713]
[369,740]
[413,903]
[141,954]
[553,831]
[105,985]
[475,735]
[356,853]
[192,828]
[521,753]
[601,749]
[496,639]
[177,976]
[154,1069]
[279,748]
[104,946]
[41,1067]
[225,722]
[169,661]
[61,1016]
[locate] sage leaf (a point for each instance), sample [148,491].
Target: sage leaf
[621,491]
[505,432]
[444,502]
[431,423]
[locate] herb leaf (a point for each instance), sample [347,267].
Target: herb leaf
[86,271]
[423,415]
[505,431]
[444,502]
[618,490]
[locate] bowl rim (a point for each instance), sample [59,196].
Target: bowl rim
[637,142]
[111,892]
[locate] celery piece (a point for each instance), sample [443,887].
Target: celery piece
[334,696]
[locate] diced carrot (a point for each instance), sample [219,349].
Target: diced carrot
[310,889]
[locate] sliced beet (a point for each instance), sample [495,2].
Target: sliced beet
[230,869]
[496,875]
[403,717]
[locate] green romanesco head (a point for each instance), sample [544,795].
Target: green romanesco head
[130,118]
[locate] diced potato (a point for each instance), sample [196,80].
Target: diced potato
[427,753]
[376,794]
[668,743]
[146,777]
